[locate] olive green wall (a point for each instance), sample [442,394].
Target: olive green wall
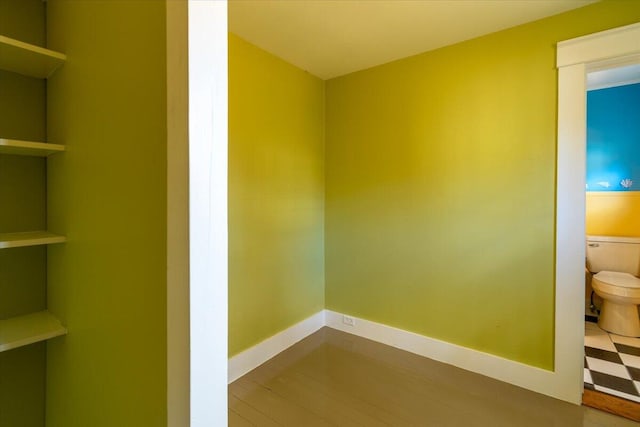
[440,186]
[22,208]
[107,193]
[276,193]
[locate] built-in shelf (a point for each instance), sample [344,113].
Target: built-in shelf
[28,329]
[28,148]
[29,238]
[28,59]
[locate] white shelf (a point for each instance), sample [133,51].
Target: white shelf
[24,330]
[29,238]
[28,148]
[27,59]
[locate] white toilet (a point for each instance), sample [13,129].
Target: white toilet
[616,262]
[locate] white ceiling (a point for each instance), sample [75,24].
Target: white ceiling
[612,77]
[329,38]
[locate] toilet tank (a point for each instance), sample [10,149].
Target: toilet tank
[605,253]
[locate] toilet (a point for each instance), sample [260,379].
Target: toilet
[615,262]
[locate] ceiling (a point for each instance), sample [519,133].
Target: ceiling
[611,77]
[329,38]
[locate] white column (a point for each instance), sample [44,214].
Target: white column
[208,210]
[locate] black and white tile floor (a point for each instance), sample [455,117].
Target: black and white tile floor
[612,363]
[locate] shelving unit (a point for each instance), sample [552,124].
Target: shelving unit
[28,329]
[27,59]
[28,148]
[29,238]
[38,62]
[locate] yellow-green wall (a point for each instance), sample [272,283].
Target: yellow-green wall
[276,195]
[613,213]
[22,208]
[440,186]
[107,193]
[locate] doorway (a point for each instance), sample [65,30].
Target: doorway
[612,370]
[576,59]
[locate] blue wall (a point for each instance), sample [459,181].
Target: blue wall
[613,138]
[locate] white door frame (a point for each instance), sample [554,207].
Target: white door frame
[575,58]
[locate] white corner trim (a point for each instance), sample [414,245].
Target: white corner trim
[255,356]
[208,224]
[509,371]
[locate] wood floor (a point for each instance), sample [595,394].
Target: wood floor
[612,404]
[336,379]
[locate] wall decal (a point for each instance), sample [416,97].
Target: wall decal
[613,138]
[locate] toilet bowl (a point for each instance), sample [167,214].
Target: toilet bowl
[620,293]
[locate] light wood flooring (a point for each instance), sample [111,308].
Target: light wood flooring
[336,379]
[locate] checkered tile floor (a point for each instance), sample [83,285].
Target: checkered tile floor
[612,363]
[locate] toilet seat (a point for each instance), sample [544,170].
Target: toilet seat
[616,278]
[616,284]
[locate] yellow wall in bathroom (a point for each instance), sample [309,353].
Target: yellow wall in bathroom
[276,195]
[441,183]
[613,213]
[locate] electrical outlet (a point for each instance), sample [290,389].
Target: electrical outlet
[348,320]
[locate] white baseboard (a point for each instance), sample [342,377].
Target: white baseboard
[509,371]
[255,356]
[519,374]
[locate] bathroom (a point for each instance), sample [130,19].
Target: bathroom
[612,324]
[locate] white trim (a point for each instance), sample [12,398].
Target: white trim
[255,356]
[530,377]
[509,371]
[575,58]
[499,368]
[614,43]
[207,41]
